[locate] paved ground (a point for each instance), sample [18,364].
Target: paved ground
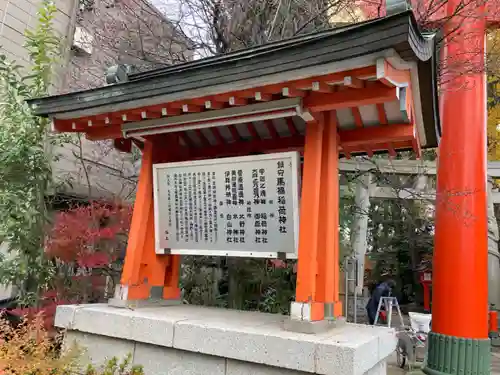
[495,364]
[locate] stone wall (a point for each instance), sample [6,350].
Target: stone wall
[196,340]
[158,360]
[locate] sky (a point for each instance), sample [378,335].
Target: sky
[173,10]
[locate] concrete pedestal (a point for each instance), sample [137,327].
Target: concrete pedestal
[197,340]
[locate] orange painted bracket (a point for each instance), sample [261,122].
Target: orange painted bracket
[390,76]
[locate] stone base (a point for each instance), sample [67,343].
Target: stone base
[303,326]
[140,303]
[207,341]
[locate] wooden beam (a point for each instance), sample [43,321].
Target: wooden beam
[358,120]
[234,100]
[271,129]
[416,147]
[62,126]
[123,144]
[234,133]
[382,116]
[349,98]
[262,97]
[102,133]
[211,104]
[241,148]
[204,141]
[391,166]
[318,86]
[353,82]
[217,135]
[378,134]
[361,73]
[190,108]
[253,132]
[129,116]
[291,126]
[390,149]
[390,76]
[291,92]
[356,140]
[170,111]
[188,141]
[347,153]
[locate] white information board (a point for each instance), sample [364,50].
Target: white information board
[244,206]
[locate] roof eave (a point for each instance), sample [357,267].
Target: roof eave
[161,82]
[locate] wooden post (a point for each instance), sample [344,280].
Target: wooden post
[146,276]
[317,295]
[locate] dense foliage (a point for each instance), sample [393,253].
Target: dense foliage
[69,257]
[88,244]
[25,174]
[29,349]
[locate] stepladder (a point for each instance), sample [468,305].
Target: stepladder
[388,304]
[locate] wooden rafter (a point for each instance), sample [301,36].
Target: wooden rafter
[318,85]
[382,116]
[271,129]
[357,117]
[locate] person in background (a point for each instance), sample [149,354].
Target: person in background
[382,290]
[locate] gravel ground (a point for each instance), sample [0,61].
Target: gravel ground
[393,369]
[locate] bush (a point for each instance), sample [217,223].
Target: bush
[113,367]
[26,348]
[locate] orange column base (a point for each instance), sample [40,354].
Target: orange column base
[317,295]
[146,277]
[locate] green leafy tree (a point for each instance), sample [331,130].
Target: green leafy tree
[25,173]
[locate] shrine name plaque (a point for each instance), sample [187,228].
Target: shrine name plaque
[242,207]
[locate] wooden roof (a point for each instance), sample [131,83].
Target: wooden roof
[377,78]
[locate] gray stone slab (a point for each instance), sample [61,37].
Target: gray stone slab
[379,369]
[246,340]
[387,344]
[65,315]
[352,350]
[245,368]
[148,325]
[100,320]
[304,326]
[251,337]
[137,304]
[160,360]
[98,349]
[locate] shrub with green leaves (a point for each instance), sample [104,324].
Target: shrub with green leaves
[114,367]
[29,349]
[25,173]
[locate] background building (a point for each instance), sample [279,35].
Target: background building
[95,34]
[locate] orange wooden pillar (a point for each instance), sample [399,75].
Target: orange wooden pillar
[317,295]
[147,276]
[458,343]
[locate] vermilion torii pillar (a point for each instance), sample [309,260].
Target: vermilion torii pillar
[458,343]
